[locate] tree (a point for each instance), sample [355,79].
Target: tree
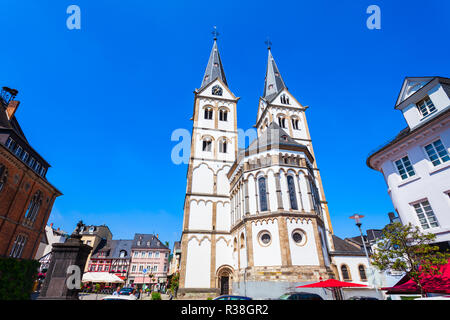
[405,248]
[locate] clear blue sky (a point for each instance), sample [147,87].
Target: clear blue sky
[100,104]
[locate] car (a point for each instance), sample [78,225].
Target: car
[126,291]
[434,298]
[362,298]
[120,297]
[300,296]
[230,297]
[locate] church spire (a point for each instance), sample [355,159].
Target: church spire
[214,69]
[274,82]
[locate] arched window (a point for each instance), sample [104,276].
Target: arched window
[207,145]
[223,115]
[295,124]
[282,122]
[33,207]
[242,241]
[345,273]
[235,244]
[262,194]
[362,272]
[292,196]
[223,145]
[208,113]
[284,99]
[3,177]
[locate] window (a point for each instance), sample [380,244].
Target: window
[282,122]
[425,214]
[207,145]
[149,254]
[3,177]
[426,107]
[32,162]
[345,273]
[291,190]
[437,152]
[223,115]
[18,151]
[165,267]
[295,124]
[404,168]
[265,238]
[208,113]
[136,254]
[25,156]
[133,268]
[10,144]
[17,249]
[157,254]
[223,146]
[33,207]
[262,194]
[141,267]
[284,99]
[299,237]
[362,273]
[155,268]
[166,255]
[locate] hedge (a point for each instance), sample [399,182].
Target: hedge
[17,278]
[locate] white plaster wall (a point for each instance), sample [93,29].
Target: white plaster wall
[223,185]
[270,255]
[306,254]
[200,216]
[272,189]
[429,182]
[203,180]
[352,263]
[252,194]
[198,263]
[224,251]
[223,216]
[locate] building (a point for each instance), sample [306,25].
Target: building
[26,196]
[120,258]
[175,258]
[256,220]
[97,237]
[50,236]
[149,262]
[415,164]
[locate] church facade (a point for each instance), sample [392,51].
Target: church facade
[256,220]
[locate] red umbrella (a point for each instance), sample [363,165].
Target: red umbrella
[333,283]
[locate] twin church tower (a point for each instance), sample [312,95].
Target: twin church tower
[256,221]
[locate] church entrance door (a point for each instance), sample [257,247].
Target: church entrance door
[224,285]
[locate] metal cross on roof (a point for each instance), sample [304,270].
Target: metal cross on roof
[215,33]
[268,43]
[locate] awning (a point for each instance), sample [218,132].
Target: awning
[431,283]
[103,277]
[333,283]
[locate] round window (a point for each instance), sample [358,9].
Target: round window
[265,238]
[299,237]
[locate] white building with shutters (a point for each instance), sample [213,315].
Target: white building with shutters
[416,163]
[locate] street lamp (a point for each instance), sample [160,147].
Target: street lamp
[357,218]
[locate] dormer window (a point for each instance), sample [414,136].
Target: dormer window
[426,107]
[91,229]
[19,151]
[217,91]
[285,138]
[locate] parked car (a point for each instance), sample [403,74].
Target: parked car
[434,298]
[362,298]
[229,297]
[300,296]
[120,297]
[126,291]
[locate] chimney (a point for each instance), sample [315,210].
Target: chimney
[157,236]
[51,225]
[11,108]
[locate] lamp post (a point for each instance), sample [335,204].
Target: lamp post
[357,218]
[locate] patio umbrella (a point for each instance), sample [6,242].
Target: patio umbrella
[333,283]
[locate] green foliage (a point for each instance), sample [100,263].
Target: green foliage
[405,248]
[209,298]
[174,282]
[97,288]
[17,278]
[156,296]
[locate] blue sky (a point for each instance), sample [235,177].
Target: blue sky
[100,103]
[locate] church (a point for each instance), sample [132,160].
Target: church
[256,220]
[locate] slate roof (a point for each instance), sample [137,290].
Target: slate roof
[147,241]
[341,247]
[214,69]
[119,245]
[274,83]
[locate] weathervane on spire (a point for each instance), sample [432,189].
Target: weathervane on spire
[268,43]
[215,33]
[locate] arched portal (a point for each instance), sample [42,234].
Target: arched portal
[224,279]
